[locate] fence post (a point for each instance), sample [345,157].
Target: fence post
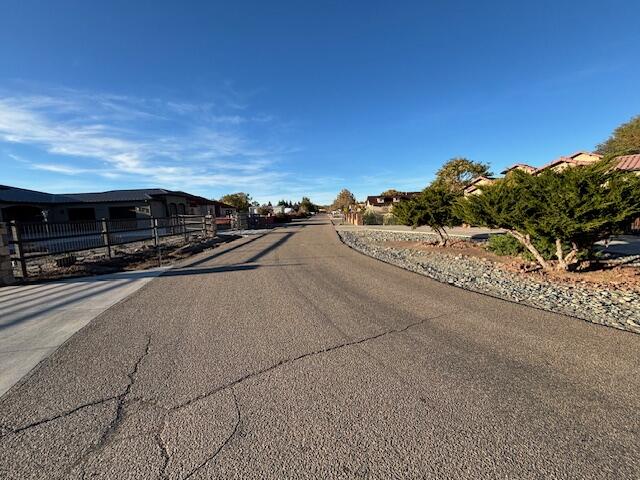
[204,226]
[18,247]
[156,241]
[6,269]
[184,229]
[105,236]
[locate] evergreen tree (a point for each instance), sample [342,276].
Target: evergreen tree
[344,200]
[624,140]
[458,172]
[434,207]
[240,200]
[561,212]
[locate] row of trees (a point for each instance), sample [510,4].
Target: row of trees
[554,215]
[243,201]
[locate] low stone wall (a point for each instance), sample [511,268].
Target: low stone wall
[616,308]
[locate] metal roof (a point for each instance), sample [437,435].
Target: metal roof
[629,162]
[118,195]
[20,195]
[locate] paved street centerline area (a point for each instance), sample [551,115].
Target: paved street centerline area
[290,355]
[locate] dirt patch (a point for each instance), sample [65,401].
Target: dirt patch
[619,277]
[614,278]
[141,258]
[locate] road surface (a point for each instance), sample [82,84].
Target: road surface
[291,356]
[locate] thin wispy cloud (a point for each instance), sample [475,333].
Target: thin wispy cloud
[142,140]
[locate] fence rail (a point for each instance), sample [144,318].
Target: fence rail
[28,241]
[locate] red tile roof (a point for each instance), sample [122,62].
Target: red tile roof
[629,162]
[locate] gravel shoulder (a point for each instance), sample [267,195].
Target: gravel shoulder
[614,307]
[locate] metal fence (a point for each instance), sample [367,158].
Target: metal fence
[28,241]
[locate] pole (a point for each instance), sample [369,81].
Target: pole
[184,229]
[156,241]
[105,236]
[17,238]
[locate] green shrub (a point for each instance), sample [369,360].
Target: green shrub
[505,245]
[371,218]
[390,219]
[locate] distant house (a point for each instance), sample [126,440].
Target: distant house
[577,159]
[523,167]
[224,209]
[629,163]
[385,203]
[33,206]
[474,187]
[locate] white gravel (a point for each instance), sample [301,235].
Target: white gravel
[616,308]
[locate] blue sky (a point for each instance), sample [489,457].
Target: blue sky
[284,99]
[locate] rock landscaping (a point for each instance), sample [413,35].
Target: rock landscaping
[612,306]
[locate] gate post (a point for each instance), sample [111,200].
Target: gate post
[105,235]
[18,247]
[6,269]
[213,226]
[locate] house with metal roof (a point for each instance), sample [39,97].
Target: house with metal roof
[519,166]
[475,186]
[577,159]
[31,205]
[385,203]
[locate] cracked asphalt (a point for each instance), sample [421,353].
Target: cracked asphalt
[291,356]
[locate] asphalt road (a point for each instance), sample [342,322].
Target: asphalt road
[291,356]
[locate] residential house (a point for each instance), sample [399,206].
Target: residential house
[224,209]
[31,205]
[385,203]
[577,159]
[474,187]
[630,163]
[523,167]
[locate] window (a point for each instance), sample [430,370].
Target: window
[173,210]
[122,213]
[81,213]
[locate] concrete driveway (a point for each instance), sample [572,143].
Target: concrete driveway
[36,319]
[291,356]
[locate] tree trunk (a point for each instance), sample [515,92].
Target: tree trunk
[526,241]
[562,264]
[441,234]
[565,261]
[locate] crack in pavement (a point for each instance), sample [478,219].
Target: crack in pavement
[224,444]
[119,397]
[303,356]
[117,419]
[166,458]
[56,417]
[107,435]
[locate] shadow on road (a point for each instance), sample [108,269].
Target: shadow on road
[38,301]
